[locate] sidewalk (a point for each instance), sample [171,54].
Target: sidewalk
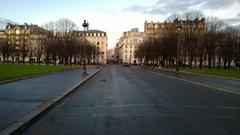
[19,98]
[224,84]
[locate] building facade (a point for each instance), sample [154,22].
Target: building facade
[110,55]
[23,40]
[97,38]
[128,44]
[158,29]
[185,30]
[116,54]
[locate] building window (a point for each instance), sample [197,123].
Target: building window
[135,41]
[17,31]
[125,56]
[125,46]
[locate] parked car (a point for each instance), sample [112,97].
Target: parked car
[126,64]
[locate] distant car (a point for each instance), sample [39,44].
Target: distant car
[126,64]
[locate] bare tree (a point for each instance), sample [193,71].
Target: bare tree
[213,27]
[5,49]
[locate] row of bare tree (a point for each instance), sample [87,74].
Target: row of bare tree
[58,46]
[216,45]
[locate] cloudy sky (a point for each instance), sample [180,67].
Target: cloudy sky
[114,16]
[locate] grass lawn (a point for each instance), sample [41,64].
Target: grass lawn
[15,71]
[216,72]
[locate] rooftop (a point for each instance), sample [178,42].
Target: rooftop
[92,31]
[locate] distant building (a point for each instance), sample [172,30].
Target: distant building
[185,29]
[128,44]
[116,54]
[27,35]
[2,33]
[110,54]
[99,39]
[158,30]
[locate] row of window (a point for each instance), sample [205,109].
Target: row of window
[135,41]
[131,46]
[129,51]
[95,34]
[94,38]
[91,34]
[129,57]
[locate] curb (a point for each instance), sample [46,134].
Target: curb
[22,123]
[195,83]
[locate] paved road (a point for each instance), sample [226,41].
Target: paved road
[125,101]
[20,97]
[228,84]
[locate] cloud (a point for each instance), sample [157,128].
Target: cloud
[218,4]
[233,20]
[171,6]
[136,8]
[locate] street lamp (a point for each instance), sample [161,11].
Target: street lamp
[97,59]
[85,25]
[145,60]
[179,26]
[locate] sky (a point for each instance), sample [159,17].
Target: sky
[114,16]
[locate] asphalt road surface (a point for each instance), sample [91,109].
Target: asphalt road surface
[126,101]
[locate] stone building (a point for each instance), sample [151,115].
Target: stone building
[24,40]
[158,29]
[2,33]
[97,38]
[116,54]
[185,29]
[128,44]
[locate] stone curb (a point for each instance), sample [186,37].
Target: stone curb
[195,83]
[20,124]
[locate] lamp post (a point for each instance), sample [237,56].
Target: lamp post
[145,60]
[97,59]
[85,25]
[179,26]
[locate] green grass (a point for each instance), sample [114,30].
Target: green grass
[15,71]
[216,72]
